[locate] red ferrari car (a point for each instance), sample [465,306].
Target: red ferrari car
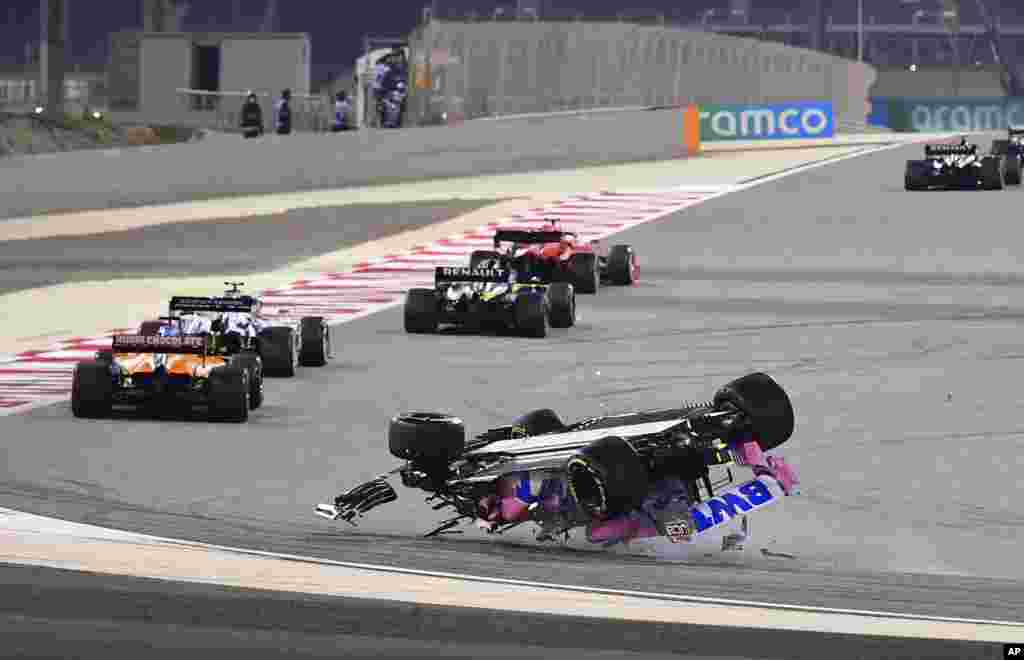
[554,255]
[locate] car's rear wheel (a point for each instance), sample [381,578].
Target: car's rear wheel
[426,438]
[229,394]
[622,266]
[586,276]
[92,390]
[766,405]
[314,341]
[420,312]
[562,302]
[1012,170]
[915,177]
[531,315]
[277,350]
[608,477]
[992,173]
[254,366]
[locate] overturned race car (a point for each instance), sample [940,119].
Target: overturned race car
[954,166]
[555,255]
[490,298]
[621,477]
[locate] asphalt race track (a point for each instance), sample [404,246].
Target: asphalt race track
[891,317]
[240,246]
[47,613]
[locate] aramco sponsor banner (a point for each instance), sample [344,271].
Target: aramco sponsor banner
[939,115]
[783,121]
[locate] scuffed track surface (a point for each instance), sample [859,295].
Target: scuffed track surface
[52,613]
[835,281]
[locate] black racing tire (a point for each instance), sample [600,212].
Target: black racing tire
[314,341]
[992,173]
[229,394]
[105,355]
[531,315]
[1012,170]
[766,405]
[480,256]
[252,363]
[915,176]
[586,275]
[1000,147]
[561,305]
[277,350]
[425,438]
[538,422]
[420,312]
[608,477]
[92,390]
[622,267]
[150,328]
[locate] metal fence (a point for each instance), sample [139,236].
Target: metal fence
[468,70]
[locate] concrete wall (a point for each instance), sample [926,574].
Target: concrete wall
[482,69]
[938,83]
[165,64]
[270,63]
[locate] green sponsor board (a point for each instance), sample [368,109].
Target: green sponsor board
[784,121]
[951,114]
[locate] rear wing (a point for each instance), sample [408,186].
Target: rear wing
[950,149]
[187,304]
[449,274]
[526,236]
[1015,131]
[158,344]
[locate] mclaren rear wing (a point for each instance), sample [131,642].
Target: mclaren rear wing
[157,344]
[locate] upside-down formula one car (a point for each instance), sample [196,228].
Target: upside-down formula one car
[620,477]
[1012,151]
[559,256]
[235,317]
[166,372]
[480,298]
[954,166]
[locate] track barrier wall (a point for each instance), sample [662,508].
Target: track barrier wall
[464,70]
[934,115]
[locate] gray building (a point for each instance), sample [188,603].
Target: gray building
[147,69]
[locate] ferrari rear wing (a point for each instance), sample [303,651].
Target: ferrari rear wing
[950,149]
[525,236]
[202,304]
[450,274]
[158,344]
